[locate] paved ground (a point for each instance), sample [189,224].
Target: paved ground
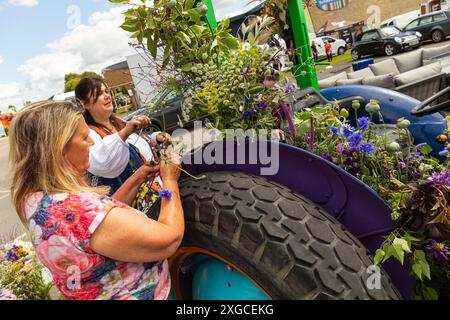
[347,66]
[10,226]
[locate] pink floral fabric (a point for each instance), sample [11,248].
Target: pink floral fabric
[61,226]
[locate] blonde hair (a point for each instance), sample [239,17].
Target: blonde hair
[39,135]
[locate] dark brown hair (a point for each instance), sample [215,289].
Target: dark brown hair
[89,88]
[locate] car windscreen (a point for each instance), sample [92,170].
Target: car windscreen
[389,31]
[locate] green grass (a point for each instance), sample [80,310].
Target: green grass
[346,57]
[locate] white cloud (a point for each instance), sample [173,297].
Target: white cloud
[9,90]
[89,47]
[1,60]
[23,3]
[231,8]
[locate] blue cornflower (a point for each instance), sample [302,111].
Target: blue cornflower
[246,100]
[165,194]
[354,140]
[363,123]
[262,106]
[247,113]
[367,148]
[347,130]
[335,131]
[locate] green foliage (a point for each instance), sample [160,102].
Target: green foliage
[415,185]
[181,29]
[71,79]
[25,283]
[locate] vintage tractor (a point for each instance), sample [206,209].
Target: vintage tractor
[307,232]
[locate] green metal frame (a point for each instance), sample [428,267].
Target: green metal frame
[304,71]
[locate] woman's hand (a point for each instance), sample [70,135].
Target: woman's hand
[135,124]
[145,173]
[164,138]
[170,169]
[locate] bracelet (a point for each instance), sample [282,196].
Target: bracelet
[165,194]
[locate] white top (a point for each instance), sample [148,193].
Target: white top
[109,156]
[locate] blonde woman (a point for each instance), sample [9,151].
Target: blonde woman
[95,246]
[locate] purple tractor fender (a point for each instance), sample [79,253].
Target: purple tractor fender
[361,210]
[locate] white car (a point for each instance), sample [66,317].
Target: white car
[338,46]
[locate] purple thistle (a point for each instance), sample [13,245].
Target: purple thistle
[340,148]
[262,106]
[165,194]
[367,148]
[247,113]
[440,179]
[291,88]
[354,140]
[363,123]
[247,71]
[326,156]
[438,250]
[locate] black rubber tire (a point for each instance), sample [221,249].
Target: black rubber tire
[341,51]
[356,55]
[285,243]
[437,36]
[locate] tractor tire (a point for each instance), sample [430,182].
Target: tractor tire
[286,244]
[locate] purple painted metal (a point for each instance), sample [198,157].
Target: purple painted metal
[354,204]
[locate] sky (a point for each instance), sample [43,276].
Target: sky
[42,40]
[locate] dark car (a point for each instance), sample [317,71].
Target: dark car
[166,114]
[433,26]
[386,40]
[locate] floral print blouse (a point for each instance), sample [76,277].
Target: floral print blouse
[61,227]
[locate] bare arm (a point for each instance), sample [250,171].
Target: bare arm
[126,235]
[128,190]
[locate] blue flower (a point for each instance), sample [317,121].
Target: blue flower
[246,100]
[438,250]
[247,113]
[262,106]
[165,194]
[347,130]
[291,88]
[335,131]
[354,140]
[367,148]
[363,123]
[247,71]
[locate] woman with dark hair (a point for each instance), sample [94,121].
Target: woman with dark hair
[118,151]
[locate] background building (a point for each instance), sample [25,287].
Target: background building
[372,12]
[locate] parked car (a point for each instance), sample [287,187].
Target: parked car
[400,21]
[338,46]
[433,26]
[386,40]
[166,113]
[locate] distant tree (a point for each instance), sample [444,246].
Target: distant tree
[12,108]
[27,103]
[71,79]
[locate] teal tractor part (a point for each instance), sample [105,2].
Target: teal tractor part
[304,70]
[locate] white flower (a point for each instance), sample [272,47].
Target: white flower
[246,46]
